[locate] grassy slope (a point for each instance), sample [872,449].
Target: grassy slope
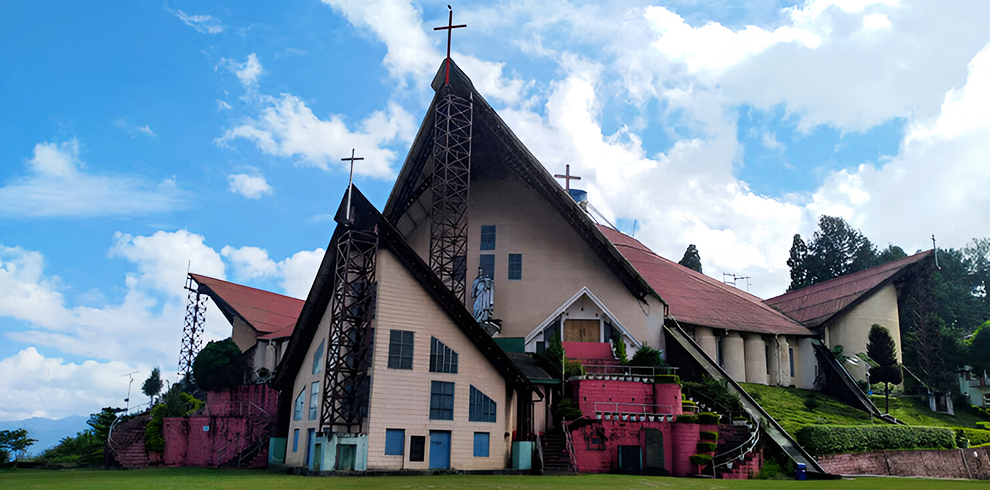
[195,478]
[787,405]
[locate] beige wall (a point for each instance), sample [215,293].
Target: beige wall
[244,335]
[852,330]
[304,380]
[400,399]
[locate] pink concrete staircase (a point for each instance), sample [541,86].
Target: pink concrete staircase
[732,437]
[125,446]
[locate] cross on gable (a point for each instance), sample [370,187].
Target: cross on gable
[350,182]
[567,178]
[449,28]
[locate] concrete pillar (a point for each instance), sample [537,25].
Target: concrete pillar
[706,340]
[807,362]
[784,359]
[734,355]
[773,366]
[756,358]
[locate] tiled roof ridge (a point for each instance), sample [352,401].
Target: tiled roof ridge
[891,267]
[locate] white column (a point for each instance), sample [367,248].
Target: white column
[706,340]
[734,355]
[785,364]
[756,358]
[807,362]
[773,366]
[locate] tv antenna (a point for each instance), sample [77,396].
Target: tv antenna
[732,282]
[128,399]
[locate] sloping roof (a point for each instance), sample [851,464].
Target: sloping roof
[700,300]
[366,216]
[817,304]
[493,139]
[272,315]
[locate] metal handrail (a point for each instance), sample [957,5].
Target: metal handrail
[572,460]
[742,449]
[125,413]
[539,454]
[620,370]
[634,408]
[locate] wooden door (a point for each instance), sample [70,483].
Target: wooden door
[581,331]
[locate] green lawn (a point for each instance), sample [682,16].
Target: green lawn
[790,407]
[194,478]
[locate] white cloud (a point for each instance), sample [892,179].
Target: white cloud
[59,186]
[205,24]
[135,130]
[249,262]
[249,186]
[223,106]
[287,127]
[163,258]
[299,272]
[247,72]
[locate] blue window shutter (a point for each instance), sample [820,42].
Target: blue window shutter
[481,444]
[395,442]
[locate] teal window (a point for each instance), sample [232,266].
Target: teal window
[481,407]
[295,440]
[442,400]
[481,444]
[395,442]
[400,349]
[790,359]
[443,359]
[314,400]
[515,267]
[487,265]
[318,358]
[298,408]
[487,237]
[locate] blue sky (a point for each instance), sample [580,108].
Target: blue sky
[139,139]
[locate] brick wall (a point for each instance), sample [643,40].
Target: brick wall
[947,463]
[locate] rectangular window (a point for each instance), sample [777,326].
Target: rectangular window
[487,237]
[395,442]
[295,440]
[318,358]
[718,351]
[300,403]
[417,448]
[481,444]
[400,349]
[487,265]
[314,400]
[481,407]
[442,401]
[790,359]
[515,267]
[443,359]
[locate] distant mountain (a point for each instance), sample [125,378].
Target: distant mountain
[47,431]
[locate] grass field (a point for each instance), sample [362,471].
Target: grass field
[195,478]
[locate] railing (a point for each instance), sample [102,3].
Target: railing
[739,452]
[571,458]
[112,447]
[539,453]
[617,371]
[633,411]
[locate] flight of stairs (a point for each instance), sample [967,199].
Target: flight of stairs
[729,437]
[556,458]
[126,447]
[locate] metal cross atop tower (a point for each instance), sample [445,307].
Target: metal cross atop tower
[567,178]
[350,183]
[449,28]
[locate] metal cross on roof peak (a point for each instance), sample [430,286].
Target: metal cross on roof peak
[449,28]
[567,178]
[350,183]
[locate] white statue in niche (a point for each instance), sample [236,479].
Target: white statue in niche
[483,292]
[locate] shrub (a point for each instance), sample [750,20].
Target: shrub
[832,439]
[219,365]
[708,418]
[686,419]
[700,459]
[648,357]
[707,435]
[706,447]
[983,425]
[568,410]
[976,436]
[717,391]
[667,379]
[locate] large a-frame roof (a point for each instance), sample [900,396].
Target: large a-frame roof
[272,315]
[697,299]
[817,304]
[366,216]
[494,143]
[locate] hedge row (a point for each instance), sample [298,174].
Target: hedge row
[832,439]
[707,435]
[708,418]
[976,436]
[705,447]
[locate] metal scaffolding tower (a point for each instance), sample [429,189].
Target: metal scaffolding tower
[192,332]
[346,381]
[451,183]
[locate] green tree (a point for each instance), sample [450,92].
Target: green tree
[648,357]
[12,443]
[837,249]
[979,349]
[890,254]
[691,259]
[799,269]
[219,365]
[153,385]
[882,350]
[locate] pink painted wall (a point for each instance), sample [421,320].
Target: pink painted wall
[603,457]
[626,397]
[593,352]
[685,438]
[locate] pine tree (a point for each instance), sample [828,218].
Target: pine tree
[883,351]
[799,271]
[691,259]
[153,385]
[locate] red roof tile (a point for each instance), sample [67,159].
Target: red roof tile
[272,315]
[700,300]
[816,304]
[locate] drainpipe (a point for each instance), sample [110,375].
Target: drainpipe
[776,344]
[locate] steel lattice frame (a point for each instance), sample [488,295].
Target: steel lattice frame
[192,332]
[451,184]
[346,381]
